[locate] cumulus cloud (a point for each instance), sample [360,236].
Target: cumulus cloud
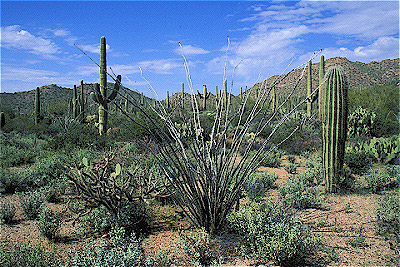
[14,37]
[190,50]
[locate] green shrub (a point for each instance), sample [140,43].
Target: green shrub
[357,242]
[31,204]
[300,192]
[361,122]
[122,250]
[49,223]
[198,245]
[378,179]
[389,213]
[52,192]
[97,220]
[27,256]
[358,161]
[258,183]
[291,168]
[11,181]
[46,169]
[272,159]
[12,156]
[271,233]
[7,212]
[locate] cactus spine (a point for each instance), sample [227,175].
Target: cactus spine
[101,90]
[204,96]
[321,87]
[37,105]
[334,127]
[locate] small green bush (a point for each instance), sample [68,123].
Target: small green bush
[49,223]
[198,245]
[7,212]
[271,233]
[27,256]
[31,204]
[378,179]
[389,213]
[357,242]
[300,192]
[122,251]
[357,161]
[52,192]
[11,181]
[272,159]
[291,168]
[259,183]
[97,220]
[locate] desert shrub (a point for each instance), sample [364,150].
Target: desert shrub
[361,122]
[291,159]
[357,242]
[389,213]
[11,181]
[357,160]
[27,256]
[53,190]
[31,204]
[258,183]
[272,158]
[377,179]
[271,233]
[291,168]
[11,156]
[300,191]
[49,223]
[198,245]
[97,220]
[122,250]
[7,212]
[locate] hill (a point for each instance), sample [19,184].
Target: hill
[359,75]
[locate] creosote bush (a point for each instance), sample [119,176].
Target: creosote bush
[378,179]
[7,212]
[258,183]
[49,223]
[271,233]
[389,213]
[27,256]
[11,181]
[31,204]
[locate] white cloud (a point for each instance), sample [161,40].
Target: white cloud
[13,37]
[160,66]
[190,50]
[61,32]
[95,49]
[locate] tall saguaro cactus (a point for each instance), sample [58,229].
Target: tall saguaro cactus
[75,100]
[2,120]
[100,96]
[37,105]
[204,96]
[309,89]
[321,87]
[334,126]
[82,103]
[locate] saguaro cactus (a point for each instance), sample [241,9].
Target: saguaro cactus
[309,89]
[167,100]
[204,96]
[37,105]
[100,96]
[183,96]
[82,103]
[226,100]
[2,120]
[334,127]
[75,108]
[321,87]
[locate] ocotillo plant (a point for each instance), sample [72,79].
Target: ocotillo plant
[100,96]
[37,105]
[321,79]
[204,96]
[2,120]
[334,127]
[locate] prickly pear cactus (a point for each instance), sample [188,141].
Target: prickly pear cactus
[334,127]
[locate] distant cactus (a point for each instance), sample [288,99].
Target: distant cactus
[75,107]
[100,94]
[37,105]
[2,120]
[309,89]
[167,101]
[321,79]
[226,100]
[82,103]
[204,96]
[334,127]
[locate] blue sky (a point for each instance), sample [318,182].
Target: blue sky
[37,40]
